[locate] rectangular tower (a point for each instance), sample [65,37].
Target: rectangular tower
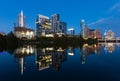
[55,22]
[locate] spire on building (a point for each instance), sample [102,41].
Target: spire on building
[21,20]
[105,33]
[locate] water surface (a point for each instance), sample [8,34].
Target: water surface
[91,63]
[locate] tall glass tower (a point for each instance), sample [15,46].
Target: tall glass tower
[82,27]
[55,22]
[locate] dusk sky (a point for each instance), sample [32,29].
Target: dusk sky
[97,13]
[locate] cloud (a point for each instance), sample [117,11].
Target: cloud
[98,22]
[115,7]
[113,17]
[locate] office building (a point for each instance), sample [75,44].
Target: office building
[82,27]
[47,27]
[109,34]
[92,33]
[55,22]
[72,31]
[43,26]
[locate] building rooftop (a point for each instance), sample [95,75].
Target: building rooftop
[22,29]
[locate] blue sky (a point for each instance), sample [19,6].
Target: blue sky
[71,11]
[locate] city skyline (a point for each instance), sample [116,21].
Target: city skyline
[95,13]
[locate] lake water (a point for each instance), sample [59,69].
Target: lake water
[91,63]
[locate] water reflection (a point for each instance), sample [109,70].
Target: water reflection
[50,56]
[20,54]
[71,51]
[109,47]
[89,49]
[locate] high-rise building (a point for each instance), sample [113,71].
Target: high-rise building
[43,25]
[82,27]
[20,30]
[48,27]
[55,22]
[92,33]
[61,28]
[98,34]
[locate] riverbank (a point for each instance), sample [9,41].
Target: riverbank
[10,41]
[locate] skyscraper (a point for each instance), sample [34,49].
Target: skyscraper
[55,22]
[43,25]
[82,27]
[47,27]
[21,20]
[57,25]
[61,27]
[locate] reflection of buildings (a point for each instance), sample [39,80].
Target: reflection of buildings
[20,31]
[87,50]
[86,32]
[109,47]
[20,55]
[48,56]
[71,51]
[43,58]
[118,44]
[58,57]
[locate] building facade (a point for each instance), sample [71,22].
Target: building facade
[43,26]
[92,33]
[109,34]
[23,33]
[55,22]
[47,27]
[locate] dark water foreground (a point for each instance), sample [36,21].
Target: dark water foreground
[99,62]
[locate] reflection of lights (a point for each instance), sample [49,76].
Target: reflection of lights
[60,49]
[83,62]
[44,62]
[95,45]
[71,54]
[49,48]
[21,65]
[85,45]
[110,44]
[25,50]
[109,47]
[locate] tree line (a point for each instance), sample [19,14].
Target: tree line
[9,42]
